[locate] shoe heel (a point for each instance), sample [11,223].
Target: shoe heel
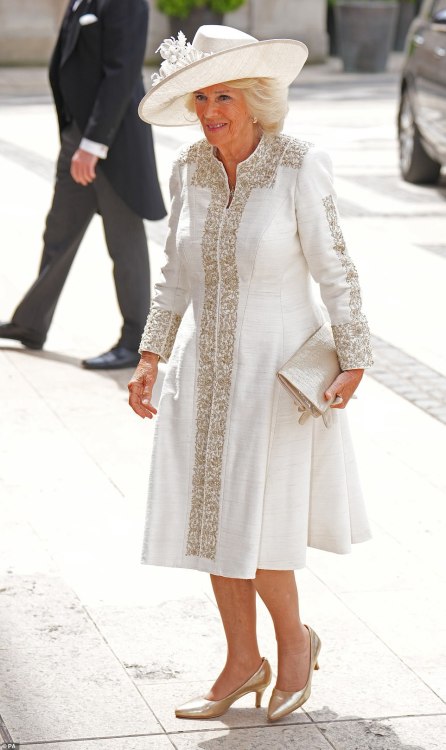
[259,696]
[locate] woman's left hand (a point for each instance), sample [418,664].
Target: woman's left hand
[344,387]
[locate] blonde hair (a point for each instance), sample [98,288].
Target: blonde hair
[265,99]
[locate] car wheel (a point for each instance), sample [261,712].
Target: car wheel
[415,164]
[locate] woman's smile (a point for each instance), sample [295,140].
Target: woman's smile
[223,114]
[213,126]
[224,117]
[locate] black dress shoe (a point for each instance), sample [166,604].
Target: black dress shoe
[117,358]
[17,333]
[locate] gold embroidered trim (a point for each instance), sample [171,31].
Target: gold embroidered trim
[213,383]
[218,326]
[295,152]
[353,344]
[352,339]
[160,332]
[194,152]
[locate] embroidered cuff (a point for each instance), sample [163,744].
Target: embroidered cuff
[97,149]
[159,332]
[353,344]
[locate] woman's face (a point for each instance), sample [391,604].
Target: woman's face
[223,114]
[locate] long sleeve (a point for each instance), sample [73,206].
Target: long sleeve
[123,45]
[329,262]
[172,292]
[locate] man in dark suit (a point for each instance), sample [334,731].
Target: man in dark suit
[106,165]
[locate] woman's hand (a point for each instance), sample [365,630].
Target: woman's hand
[344,387]
[141,385]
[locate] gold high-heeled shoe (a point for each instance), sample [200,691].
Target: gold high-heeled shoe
[282,702]
[201,708]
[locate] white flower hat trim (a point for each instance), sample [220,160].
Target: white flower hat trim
[177,54]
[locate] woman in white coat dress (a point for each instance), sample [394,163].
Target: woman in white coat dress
[239,488]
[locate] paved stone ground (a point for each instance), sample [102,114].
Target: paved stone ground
[95,649]
[410,378]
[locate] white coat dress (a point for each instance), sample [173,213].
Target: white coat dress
[236,483]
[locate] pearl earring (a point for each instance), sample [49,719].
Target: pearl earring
[254,120]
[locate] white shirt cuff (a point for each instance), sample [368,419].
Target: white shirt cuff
[98,149]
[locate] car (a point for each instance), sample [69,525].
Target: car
[422,108]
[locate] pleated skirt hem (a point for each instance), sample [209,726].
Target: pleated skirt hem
[226,570]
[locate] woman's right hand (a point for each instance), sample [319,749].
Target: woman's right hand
[141,385]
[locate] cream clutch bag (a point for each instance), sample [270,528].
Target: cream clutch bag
[309,372]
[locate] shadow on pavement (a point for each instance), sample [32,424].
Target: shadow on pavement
[46,354]
[120,377]
[352,733]
[356,733]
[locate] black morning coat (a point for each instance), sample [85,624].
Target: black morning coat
[95,76]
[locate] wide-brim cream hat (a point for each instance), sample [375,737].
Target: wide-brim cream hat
[216,55]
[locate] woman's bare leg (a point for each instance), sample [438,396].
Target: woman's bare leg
[236,601]
[278,590]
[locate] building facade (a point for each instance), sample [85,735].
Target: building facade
[28,28]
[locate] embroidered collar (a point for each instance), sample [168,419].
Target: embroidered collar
[257,171]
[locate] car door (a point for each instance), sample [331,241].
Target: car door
[430,82]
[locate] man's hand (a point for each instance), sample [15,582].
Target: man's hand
[83,167]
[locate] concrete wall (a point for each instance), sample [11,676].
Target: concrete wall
[28,28]
[266,19]
[292,19]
